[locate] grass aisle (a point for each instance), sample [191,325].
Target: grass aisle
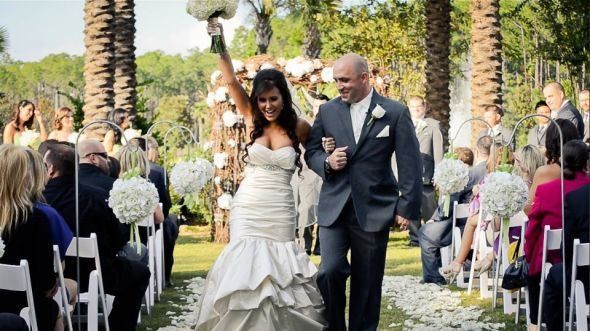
[194,255]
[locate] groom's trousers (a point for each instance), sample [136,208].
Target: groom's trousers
[365,268]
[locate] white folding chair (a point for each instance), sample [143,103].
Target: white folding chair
[581,257]
[88,249]
[18,278]
[459,211]
[551,241]
[479,245]
[61,297]
[523,290]
[159,255]
[148,225]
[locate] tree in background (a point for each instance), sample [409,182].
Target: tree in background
[264,10]
[486,56]
[99,64]
[125,82]
[438,39]
[3,39]
[312,11]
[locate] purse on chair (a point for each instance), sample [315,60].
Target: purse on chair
[515,275]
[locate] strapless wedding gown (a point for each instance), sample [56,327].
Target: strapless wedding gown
[262,280]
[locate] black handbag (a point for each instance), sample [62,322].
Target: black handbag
[515,275]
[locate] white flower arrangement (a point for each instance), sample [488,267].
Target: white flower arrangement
[224,201]
[217,180]
[207,145]
[133,199]
[202,10]
[189,177]
[215,77]
[282,61]
[130,134]
[211,99]
[2,246]
[451,175]
[221,94]
[29,138]
[313,79]
[229,118]
[238,65]
[503,194]
[379,81]
[220,160]
[298,67]
[232,143]
[327,75]
[267,65]
[251,74]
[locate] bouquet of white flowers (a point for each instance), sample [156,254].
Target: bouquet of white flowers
[29,138]
[503,194]
[205,10]
[451,175]
[189,177]
[132,199]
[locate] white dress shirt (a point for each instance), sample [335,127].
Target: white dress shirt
[358,113]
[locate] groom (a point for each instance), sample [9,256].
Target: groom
[360,197]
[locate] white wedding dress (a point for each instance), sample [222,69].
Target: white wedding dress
[262,280]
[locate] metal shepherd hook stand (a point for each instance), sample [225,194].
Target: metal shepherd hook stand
[149,134]
[77,204]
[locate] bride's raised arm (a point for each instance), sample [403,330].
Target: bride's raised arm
[236,91]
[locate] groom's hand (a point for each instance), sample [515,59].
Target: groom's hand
[402,222]
[338,159]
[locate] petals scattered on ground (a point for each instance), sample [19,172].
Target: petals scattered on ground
[431,307]
[190,302]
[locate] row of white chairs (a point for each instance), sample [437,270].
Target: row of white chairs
[512,300]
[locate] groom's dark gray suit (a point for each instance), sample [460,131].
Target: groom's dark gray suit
[358,204]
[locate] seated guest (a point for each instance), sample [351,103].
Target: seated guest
[577,222]
[126,280]
[61,234]
[436,233]
[94,167]
[21,224]
[546,210]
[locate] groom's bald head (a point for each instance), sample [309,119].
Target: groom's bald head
[351,74]
[354,61]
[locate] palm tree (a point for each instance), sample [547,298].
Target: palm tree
[264,11]
[3,39]
[125,81]
[486,56]
[311,11]
[438,38]
[99,61]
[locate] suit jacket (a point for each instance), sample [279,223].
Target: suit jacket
[534,138]
[430,140]
[569,112]
[368,178]
[90,174]
[503,135]
[157,176]
[586,127]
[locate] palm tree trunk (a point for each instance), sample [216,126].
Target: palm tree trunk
[125,82]
[99,66]
[263,33]
[438,38]
[486,54]
[313,41]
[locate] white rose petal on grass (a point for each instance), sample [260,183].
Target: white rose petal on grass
[133,199]
[224,201]
[203,9]
[229,118]
[220,160]
[503,194]
[188,177]
[451,175]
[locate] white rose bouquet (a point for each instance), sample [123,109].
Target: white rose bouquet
[29,138]
[210,10]
[450,175]
[132,199]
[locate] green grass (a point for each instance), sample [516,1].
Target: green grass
[194,255]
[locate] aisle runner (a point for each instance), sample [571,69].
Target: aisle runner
[431,307]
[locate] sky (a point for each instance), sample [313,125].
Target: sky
[39,28]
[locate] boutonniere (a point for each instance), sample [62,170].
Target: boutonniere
[376,114]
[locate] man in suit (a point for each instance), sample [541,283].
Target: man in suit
[493,116]
[537,133]
[431,148]
[561,107]
[94,165]
[577,223]
[585,106]
[360,198]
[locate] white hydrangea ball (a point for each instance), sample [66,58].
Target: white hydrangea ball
[451,175]
[503,194]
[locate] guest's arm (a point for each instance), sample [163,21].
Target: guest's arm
[8,136]
[42,130]
[534,230]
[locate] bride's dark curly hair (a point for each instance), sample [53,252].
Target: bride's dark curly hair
[265,81]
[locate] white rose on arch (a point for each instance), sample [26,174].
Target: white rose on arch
[220,160]
[215,77]
[221,94]
[211,99]
[266,65]
[232,143]
[229,118]
[224,201]
[327,75]
[217,180]
[238,65]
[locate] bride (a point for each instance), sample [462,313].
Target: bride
[262,280]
